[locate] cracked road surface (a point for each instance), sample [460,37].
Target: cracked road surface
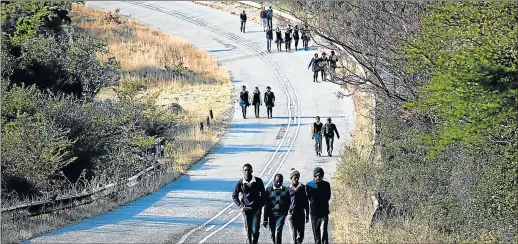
[197,208]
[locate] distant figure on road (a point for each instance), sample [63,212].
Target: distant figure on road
[276,208]
[244,101]
[264,18]
[316,134]
[287,39]
[251,202]
[299,207]
[305,37]
[256,101]
[329,134]
[296,37]
[278,39]
[269,101]
[333,59]
[319,194]
[270,17]
[242,16]
[269,38]
[314,67]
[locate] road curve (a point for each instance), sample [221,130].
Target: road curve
[198,208]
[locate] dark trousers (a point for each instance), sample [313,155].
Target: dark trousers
[269,111]
[269,44]
[243,109]
[297,225]
[270,23]
[287,45]
[305,43]
[256,109]
[329,143]
[318,222]
[322,71]
[276,224]
[251,220]
[296,44]
[315,75]
[279,45]
[243,23]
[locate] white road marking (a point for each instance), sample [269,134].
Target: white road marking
[210,227]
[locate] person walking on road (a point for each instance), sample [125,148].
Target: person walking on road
[269,38]
[244,101]
[242,16]
[251,202]
[319,194]
[256,101]
[269,101]
[322,66]
[278,39]
[305,37]
[270,17]
[316,134]
[276,208]
[264,18]
[298,215]
[287,39]
[296,37]
[329,134]
[314,66]
[333,59]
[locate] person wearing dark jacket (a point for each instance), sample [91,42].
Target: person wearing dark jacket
[316,134]
[269,38]
[287,39]
[256,101]
[269,101]
[243,21]
[270,17]
[329,135]
[264,15]
[296,37]
[252,201]
[276,208]
[319,194]
[278,39]
[322,65]
[244,101]
[314,64]
[298,215]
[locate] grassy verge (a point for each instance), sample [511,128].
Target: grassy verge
[165,68]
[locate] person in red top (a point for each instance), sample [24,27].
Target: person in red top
[264,18]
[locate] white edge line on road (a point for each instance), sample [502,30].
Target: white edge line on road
[210,227]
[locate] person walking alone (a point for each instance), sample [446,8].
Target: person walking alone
[256,101]
[270,17]
[269,38]
[251,202]
[264,18]
[242,16]
[298,215]
[244,101]
[319,193]
[296,37]
[314,66]
[329,134]
[316,134]
[278,39]
[269,101]
[287,39]
[276,208]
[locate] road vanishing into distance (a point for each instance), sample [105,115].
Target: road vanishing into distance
[197,208]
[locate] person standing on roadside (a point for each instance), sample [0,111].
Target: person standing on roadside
[298,215]
[276,208]
[296,37]
[269,101]
[251,202]
[256,101]
[270,17]
[269,37]
[319,194]
[333,59]
[314,66]
[242,16]
[264,18]
[244,101]
[329,134]
[287,39]
[278,39]
[316,134]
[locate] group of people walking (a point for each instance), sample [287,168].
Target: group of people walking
[245,101]
[286,36]
[297,202]
[326,130]
[323,64]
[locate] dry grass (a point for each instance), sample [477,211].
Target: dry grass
[170,67]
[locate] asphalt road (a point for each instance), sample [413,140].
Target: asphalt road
[198,207]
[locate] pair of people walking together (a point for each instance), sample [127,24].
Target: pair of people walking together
[327,130]
[297,203]
[269,101]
